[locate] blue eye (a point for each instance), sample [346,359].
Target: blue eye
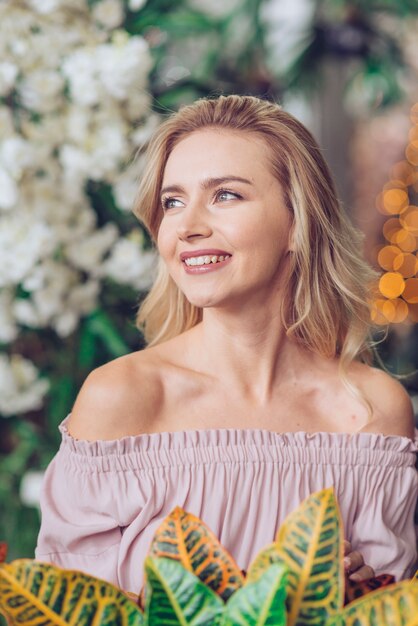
[169,203]
[225,195]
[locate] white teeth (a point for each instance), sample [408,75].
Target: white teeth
[205,260]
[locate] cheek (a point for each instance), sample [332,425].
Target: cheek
[164,242]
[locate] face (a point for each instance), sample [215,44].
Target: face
[225,230]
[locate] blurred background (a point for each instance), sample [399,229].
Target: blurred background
[83,84]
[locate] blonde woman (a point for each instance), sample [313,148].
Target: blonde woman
[255,389]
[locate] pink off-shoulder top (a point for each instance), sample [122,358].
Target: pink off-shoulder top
[102,501]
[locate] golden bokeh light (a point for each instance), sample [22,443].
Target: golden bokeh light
[406,264]
[396,299]
[395,201]
[394,183]
[387,256]
[409,219]
[411,152]
[390,228]
[410,291]
[391,284]
[395,311]
[413,134]
[403,171]
[376,313]
[405,240]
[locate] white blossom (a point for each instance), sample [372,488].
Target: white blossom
[30,488]
[135,5]
[130,264]
[8,74]
[81,110]
[65,323]
[16,154]
[26,314]
[109,13]
[142,135]
[87,254]
[41,90]
[122,63]
[45,6]
[125,186]
[8,191]
[23,242]
[21,388]
[81,71]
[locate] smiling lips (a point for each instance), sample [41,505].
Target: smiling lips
[203,261]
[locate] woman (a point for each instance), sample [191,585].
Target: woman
[254,390]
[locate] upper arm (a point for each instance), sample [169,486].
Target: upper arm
[116,400]
[392,407]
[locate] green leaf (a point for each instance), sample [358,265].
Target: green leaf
[33,593]
[185,538]
[310,543]
[176,597]
[261,603]
[395,605]
[61,398]
[100,324]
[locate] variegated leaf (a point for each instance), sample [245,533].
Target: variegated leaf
[415,576]
[354,590]
[266,557]
[395,605]
[176,597]
[261,603]
[310,542]
[185,538]
[33,593]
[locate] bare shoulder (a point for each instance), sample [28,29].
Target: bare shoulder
[117,399]
[392,407]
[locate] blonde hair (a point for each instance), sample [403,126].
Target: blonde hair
[328,282]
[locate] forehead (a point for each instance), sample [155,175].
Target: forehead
[209,151]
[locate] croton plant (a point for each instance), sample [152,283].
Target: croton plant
[190,579]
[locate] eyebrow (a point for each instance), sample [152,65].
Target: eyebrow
[208,183]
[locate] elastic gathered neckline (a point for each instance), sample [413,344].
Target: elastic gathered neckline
[231,445]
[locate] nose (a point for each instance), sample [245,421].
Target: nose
[193,223]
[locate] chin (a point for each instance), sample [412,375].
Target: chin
[202,303]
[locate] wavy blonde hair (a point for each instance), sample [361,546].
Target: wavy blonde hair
[326,305]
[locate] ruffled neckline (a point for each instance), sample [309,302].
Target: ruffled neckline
[232,444]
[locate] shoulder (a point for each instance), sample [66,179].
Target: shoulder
[117,399]
[392,407]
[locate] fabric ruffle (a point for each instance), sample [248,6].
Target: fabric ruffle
[229,445]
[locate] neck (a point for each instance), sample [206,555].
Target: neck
[249,352]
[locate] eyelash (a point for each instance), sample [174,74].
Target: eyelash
[219,192]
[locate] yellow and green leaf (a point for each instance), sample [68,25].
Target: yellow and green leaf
[38,593]
[395,605]
[263,560]
[259,603]
[310,543]
[185,538]
[415,576]
[177,597]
